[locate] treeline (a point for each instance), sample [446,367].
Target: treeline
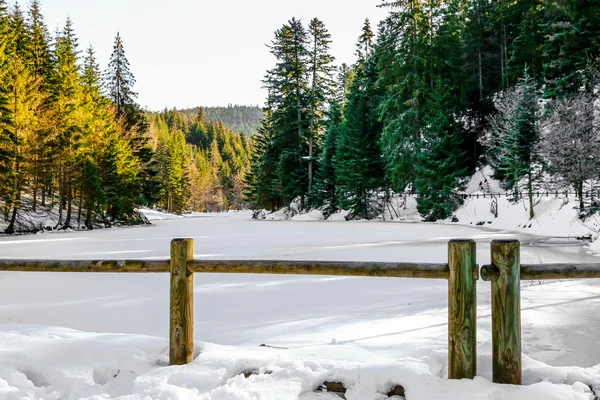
[73,140]
[242,119]
[444,87]
[71,136]
[201,165]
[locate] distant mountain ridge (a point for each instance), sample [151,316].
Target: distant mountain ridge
[240,118]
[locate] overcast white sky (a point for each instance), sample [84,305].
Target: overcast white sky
[185,53]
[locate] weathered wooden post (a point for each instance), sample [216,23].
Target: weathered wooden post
[462,309]
[181,334]
[505,274]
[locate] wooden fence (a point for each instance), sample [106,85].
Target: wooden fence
[461,271]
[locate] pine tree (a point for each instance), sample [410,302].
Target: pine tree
[67,96]
[357,160]
[287,86]
[6,128]
[24,100]
[364,46]
[440,163]
[262,180]
[402,48]
[514,135]
[40,65]
[320,68]
[326,182]
[119,79]
[173,158]
[119,82]
[571,29]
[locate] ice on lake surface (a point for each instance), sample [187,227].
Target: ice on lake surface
[387,316]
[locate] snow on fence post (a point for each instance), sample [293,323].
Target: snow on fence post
[462,309]
[181,333]
[505,273]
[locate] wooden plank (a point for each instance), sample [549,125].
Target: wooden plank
[181,333]
[547,272]
[387,269]
[140,266]
[559,271]
[462,309]
[506,313]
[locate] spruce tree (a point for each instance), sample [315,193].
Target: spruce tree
[364,46]
[571,45]
[119,82]
[325,182]
[67,96]
[40,64]
[24,100]
[262,180]
[357,160]
[6,151]
[320,68]
[440,163]
[119,79]
[513,137]
[287,86]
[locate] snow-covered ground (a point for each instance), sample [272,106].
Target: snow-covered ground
[103,336]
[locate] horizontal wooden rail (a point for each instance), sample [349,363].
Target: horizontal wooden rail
[535,272]
[139,266]
[349,268]
[338,268]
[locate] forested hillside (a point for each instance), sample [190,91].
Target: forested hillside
[201,164]
[75,144]
[440,89]
[242,119]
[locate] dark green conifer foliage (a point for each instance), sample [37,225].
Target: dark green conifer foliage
[571,49]
[287,85]
[325,182]
[119,79]
[440,163]
[357,160]
[262,181]
[513,137]
[320,69]
[364,46]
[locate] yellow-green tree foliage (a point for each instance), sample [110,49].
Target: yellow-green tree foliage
[211,173]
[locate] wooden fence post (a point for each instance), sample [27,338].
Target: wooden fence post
[506,312]
[181,333]
[462,309]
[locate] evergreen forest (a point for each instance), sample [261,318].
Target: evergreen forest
[74,141]
[437,90]
[239,118]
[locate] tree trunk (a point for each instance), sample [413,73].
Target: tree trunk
[579,192]
[88,214]
[69,207]
[530,192]
[35,184]
[79,208]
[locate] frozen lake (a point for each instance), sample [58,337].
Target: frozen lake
[395,317]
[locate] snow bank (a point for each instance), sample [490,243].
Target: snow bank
[156,215]
[52,363]
[554,215]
